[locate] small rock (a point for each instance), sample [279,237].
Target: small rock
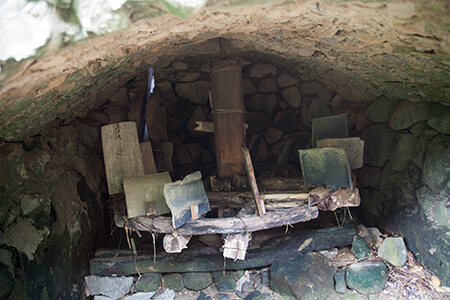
[267,85]
[141,296]
[179,65]
[339,280]
[330,253]
[166,90]
[222,296]
[440,118]
[286,80]
[261,102]
[262,70]
[248,86]
[257,122]
[29,203]
[409,113]
[375,236]
[360,247]
[112,287]
[13,172]
[363,122]
[403,151]
[436,169]
[273,135]
[120,98]
[204,296]
[97,297]
[226,283]
[187,76]
[166,294]
[148,282]
[23,236]
[196,92]
[378,143]
[197,281]
[419,129]
[6,282]
[305,276]
[381,110]
[366,277]
[310,88]
[393,250]
[265,277]
[286,121]
[253,295]
[116,113]
[292,96]
[240,273]
[173,281]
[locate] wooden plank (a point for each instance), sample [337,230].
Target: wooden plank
[252,180]
[229,116]
[143,189]
[209,259]
[239,199]
[252,223]
[121,154]
[147,157]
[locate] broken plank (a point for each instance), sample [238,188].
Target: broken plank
[209,259]
[252,180]
[250,223]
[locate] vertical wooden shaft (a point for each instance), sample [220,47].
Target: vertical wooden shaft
[229,116]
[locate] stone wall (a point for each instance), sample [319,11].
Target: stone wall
[406,173]
[51,211]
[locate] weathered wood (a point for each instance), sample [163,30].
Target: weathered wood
[252,180]
[209,259]
[147,158]
[204,126]
[328,200]
[229,116]
[319,194]
[136,110]
[239,199]
[250,223]
[121,154]
[283,184]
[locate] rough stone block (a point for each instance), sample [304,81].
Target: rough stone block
[261,102]
[179,65]
[360,247]
[273,135]
[440,118]
[378,143]
[366,277]
[257,122]
[267,85]
[148,282]
[403,150]
[286,80]
[173,281]
[13,172]
[226,283]
[197,281]
[262,70]
[286,121]
[409,113]
[187,76]
[112,287]
[292,96]
[393,250]
[436,170]
[381,110]
[248,86]
[305,276]
[196,92]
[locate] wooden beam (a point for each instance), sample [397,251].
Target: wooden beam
[209,259]
[250,223]
[252,180]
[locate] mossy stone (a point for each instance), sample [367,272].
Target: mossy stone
[173,281]
[197,281]
[360,247]
[226,283]
[366,277]
[149,282]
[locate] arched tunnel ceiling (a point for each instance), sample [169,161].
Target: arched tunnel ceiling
[363,50]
